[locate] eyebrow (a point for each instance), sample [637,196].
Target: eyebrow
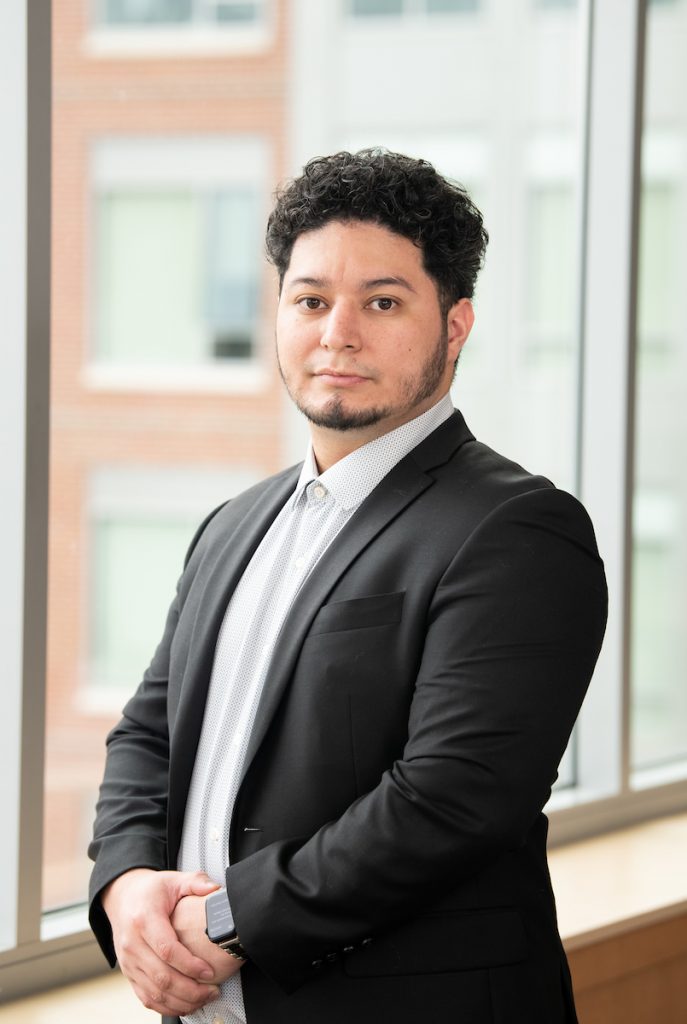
[375,282]
[381,282]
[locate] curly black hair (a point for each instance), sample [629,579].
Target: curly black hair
[406,195]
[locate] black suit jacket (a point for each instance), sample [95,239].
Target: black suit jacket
[387,843]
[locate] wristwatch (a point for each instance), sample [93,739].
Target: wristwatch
[220,925]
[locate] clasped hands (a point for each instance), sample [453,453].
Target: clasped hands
[158,927]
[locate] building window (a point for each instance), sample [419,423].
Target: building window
[375,8]
[659,696]
[141,519]
[658,307]
[155,13]
[551,270]
[177,253]
[553,4]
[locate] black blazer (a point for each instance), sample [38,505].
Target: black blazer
[388,847]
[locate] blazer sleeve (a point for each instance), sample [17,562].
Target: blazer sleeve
[512,636]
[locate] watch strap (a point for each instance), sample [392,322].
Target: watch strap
[233,947]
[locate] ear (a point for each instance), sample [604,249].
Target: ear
[459,321]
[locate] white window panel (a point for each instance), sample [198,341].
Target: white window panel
[140,522]
[177,247]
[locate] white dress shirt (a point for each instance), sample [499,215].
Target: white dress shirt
[303,530]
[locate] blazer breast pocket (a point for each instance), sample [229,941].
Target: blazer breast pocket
[359,613]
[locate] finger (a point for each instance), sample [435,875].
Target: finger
[202,884]
[193,883]
[166,1003]
[166,987]
[147,956]
[162,940]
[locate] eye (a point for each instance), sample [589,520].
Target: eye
[311,302]
[383,303]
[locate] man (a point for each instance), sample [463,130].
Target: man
[341,750]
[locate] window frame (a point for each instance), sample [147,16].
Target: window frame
[39,951]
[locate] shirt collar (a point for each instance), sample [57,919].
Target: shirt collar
[353,478]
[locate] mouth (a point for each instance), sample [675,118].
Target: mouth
[339,378]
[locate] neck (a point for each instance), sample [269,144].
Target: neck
[330,446]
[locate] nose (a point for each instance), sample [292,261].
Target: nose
[341,329]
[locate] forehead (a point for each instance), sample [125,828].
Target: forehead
[359,249]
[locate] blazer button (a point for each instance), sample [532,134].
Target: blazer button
[316,964]
[366,942]
[331,957]
[348,949]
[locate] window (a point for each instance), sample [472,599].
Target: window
[551,279]
[552,4]
[658,306]
[363,8]
[189,152]
[140,521]
[158,29]
[177,255]
[176,12]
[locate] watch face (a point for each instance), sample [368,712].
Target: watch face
[218,915]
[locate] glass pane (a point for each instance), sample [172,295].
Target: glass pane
[551,283]
[134,566]
[377,7]
[160,296]
[232,286]
[148,252]
[235,12]
[659,585]
[146,12]
[451,6]
[520,156]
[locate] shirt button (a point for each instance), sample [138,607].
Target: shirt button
[218,1020]
[319,491]
[299,563]
[214,835]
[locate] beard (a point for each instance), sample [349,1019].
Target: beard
[413,391]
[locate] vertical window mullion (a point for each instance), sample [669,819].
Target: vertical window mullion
[607,379]
[39,49]
[13,203]
[25,48]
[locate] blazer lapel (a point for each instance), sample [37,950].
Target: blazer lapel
[388,500]
[226,570]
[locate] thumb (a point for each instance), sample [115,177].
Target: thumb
[201,884]
[190,883]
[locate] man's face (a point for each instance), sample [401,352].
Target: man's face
[361,341]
